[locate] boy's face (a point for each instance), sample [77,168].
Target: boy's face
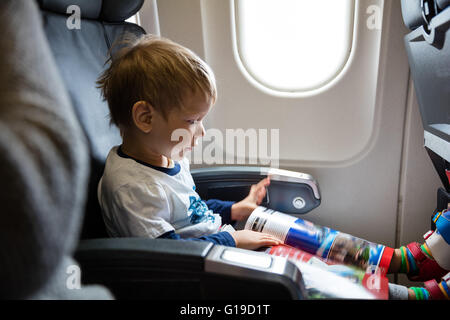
[178,134]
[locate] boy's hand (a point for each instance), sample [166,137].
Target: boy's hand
[242,209]
[247,239]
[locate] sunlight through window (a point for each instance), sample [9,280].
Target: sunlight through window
[293,45]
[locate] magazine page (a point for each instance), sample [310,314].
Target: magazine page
[326,280]
[327,244]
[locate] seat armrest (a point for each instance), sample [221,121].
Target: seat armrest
[289,191]
[141,268]
[136,252]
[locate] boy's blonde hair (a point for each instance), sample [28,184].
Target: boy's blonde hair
[156,70]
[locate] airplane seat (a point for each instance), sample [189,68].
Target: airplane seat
[81,48]
[81,52]
[428,49]
[412,14]
[80,34]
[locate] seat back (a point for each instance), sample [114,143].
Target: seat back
[80,34]
[428,48]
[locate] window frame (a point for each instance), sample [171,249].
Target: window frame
[329,82]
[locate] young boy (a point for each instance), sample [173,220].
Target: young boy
[154,89]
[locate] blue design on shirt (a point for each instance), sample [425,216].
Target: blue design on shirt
[198,210]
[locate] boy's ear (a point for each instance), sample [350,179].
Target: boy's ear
[142,114]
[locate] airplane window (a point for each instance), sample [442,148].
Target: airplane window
[293,46]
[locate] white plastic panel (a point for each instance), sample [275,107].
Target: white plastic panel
[375,178]
[325,127]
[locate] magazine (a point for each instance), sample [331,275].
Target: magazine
[342,257]
[327,280]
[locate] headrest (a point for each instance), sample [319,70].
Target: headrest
[442,4]
[102,10]
[119,10]
[412,13]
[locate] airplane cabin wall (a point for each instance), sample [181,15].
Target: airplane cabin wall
[376,181]
[419,181]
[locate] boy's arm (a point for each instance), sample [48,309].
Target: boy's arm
[222,238]
[238,211]
[223,208]
[244,239]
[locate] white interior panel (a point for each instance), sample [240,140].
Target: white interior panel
[419,182]
[330,127]
[348,137]
[375,177]
[181,21]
